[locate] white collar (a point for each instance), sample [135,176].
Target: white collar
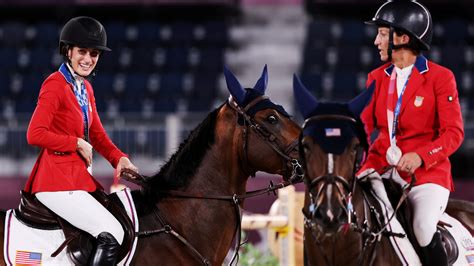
[404,72]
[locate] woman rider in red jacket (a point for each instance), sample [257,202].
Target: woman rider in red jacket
[66,126]
[416,113]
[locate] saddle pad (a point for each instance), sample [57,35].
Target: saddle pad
[29,246]
[463,239]
[403,246]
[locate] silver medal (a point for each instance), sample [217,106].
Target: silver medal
[393,155]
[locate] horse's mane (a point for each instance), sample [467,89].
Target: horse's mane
[183,164]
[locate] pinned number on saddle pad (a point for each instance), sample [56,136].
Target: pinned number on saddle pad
[469,246]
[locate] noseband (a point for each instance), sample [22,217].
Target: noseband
[370,236]
[328,180]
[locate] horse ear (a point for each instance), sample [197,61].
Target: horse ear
[262,82]
[234,87]
[305,101]
[358,104]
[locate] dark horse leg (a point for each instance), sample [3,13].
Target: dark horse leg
[2,233]
[463,211]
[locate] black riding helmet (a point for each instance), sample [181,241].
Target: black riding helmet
[408,16]
[83,32]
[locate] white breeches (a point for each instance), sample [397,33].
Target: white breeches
[83,211]
[429,202]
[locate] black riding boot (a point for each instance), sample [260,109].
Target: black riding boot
[106,251]
[434,254]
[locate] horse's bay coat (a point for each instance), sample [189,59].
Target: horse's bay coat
[56,124]
[430,121]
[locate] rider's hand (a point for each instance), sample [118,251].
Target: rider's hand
[409,162]
[124,163]
[85,150]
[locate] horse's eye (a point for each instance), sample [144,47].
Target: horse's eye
[272,119]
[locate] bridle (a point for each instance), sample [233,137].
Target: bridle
[263,132]
[330,178]
[327,181]
[269,138]
[369,235]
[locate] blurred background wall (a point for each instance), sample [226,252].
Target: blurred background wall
[165,71]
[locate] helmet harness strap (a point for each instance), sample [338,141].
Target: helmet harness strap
[392,46]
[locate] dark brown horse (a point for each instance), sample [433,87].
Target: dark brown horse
[331,144]
[342,222]
[189,211]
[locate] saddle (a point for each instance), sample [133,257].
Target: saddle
[405,217]
[80,244]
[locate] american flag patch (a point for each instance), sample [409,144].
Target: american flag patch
[332,132]
[27,258]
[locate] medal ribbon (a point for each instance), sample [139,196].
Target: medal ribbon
[393,110]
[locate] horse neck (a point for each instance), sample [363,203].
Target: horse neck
[222,170]
[210,221]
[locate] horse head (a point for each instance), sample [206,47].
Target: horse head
[332,145]
[261,119]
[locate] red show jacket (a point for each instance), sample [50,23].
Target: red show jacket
[56,124]
[430,121]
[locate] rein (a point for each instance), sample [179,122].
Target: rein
[269,138]
[370,237]
[235,199]
[405,190]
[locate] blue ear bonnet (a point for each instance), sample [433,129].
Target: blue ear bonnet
[333,135]
[245,96]
[251,94]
